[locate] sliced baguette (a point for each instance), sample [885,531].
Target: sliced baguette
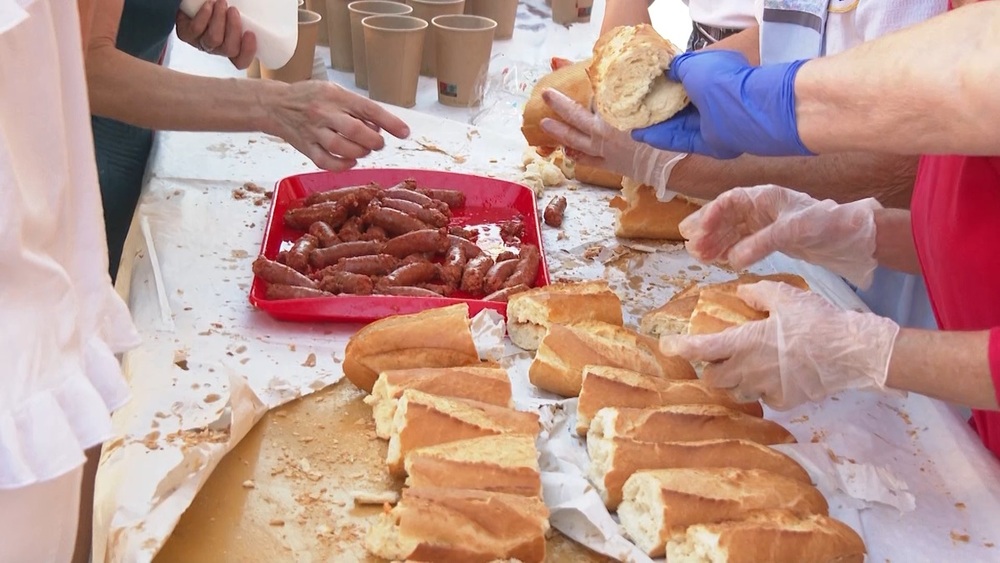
[530,313]
[686,423]
[502,464]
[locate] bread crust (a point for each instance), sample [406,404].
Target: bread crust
[530,313]
[719,307]
[639,214]
[503,464]
[573,82]
[687,423]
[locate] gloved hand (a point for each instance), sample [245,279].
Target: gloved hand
[593,142]
[806,350]
[736,109]
[744,225]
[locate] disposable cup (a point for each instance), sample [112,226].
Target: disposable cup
[393,44]
[300,67]
[427,10]
[504,12]
[463,58]
[319,6]
[338,32]
[359,11]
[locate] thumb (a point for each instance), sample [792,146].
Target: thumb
[703,347]
[756,247]
[763,295]
[677,72]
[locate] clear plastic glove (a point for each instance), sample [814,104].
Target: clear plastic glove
[806,350]
[737,108]
[218,29]
[745,225]
[593,142]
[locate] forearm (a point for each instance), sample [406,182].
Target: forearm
[842,177]
[624,12]
[952,366]
[746,42]
[894,247]
[926,89]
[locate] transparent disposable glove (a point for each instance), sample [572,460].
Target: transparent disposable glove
[806,350]
[745,225]
[591,141]
[736,108]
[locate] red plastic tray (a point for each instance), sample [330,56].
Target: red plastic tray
[488,202]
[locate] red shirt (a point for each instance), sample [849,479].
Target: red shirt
[956,228]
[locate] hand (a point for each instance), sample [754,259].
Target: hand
[328,124]
[591,141]
[218,29]
[745,225]
[806,350]
[736,108]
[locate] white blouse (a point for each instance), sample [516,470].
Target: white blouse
[61,323]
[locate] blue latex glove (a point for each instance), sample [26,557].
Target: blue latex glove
[737,108]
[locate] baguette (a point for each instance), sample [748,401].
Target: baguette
[775,536]
[614,460]
[530,313]
[461,526]
[573,82]
[719,307]
[567,349]
[628,75]
[423,420]
[659,504]
[605,386]
[484,384]
[640,214]
[433,338]
[686,423]
[502,464]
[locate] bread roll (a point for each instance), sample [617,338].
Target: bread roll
[432,338]
[628,74]
[502,464]
[778,536]
[484,384]
[567,349]
[605,386]
[572,81]
[613,461]
[529,314]
[686,423]
[427,420]
[639,214]
[461,526]
[659,504]
[597,176]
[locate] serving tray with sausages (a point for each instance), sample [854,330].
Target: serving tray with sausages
[365,244]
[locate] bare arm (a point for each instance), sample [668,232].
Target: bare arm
[928,89]
[894,246]
[746,42]
[624,12]
[953,366]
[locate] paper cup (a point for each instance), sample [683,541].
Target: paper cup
[319,6]
[463,58]
[504,12]
[583,10]
[564,11]
[359,11]
[427,10]
[393,44]
[300,67]
[338,32]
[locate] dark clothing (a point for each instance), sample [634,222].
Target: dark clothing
[704,35]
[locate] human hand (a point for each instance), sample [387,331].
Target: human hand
[328,124]
[744,225]
[218,29]
[589,140]
[736,108]
[806,350]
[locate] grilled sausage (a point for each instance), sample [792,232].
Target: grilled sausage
[475,272]
[333,213]
[432,217]
[298,255]
[527,267]
[278,291]
[411,274]
[345,282]
[498,274]
[329,256]
[502,295]
[553,214]
[406,291]
[453,266]
[394,222]
[324,234]
[275,273]
[364,194]
[452,198]
[425,240]
[374,265]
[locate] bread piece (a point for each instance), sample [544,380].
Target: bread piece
[529,314]
[661,503]
[572,81]
[639,214]
[628,74]
[613,461]
[432,338]
[597,176]
[605,386]
[484,384]
[686,423]
[461,526]
[567,349]
[777,536]
[427,420]
[502,464]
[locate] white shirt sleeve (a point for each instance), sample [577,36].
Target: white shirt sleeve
[853,22]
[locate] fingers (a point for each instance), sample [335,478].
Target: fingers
[341,145]
[191,29]
[676,134]
[755,247]
[676,72]
[570,137]
[215,34]
[770,296]
[570,111]
[704,348]
[248,50]
[327,161]
[232,37]
[367,110]
[724,375]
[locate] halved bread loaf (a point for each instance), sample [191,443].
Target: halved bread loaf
[640,214]
[461,526]
[659,504]
[614,460]
[567,349]
[530,313]
[780,536]
[605,386]
[427,420]
[502,464]
[719,307]
[484,384]
[686,423]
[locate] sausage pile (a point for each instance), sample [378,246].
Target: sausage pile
[368,240]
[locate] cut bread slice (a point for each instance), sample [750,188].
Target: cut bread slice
[686,423]
[503,464]
[530,313]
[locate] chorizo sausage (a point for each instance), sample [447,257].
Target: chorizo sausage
[298,254]
[471,249]
[411,274]
[498,274]
[413,242]
[475,274]
[333,213]
[375,233]
[324,234]
[350,231]
[275,273]
[553,214]
[374,265]
[278,291]
[505,255]
[527,267]
[406,191]
[364,194]
[394,222]
[329,256]
[414,258]
[502,295]
[407,291]
[452,198]
[464,232]
[345,282]
[432,217]
[444,290]
[453,266]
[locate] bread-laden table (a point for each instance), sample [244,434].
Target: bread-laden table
[211,366]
